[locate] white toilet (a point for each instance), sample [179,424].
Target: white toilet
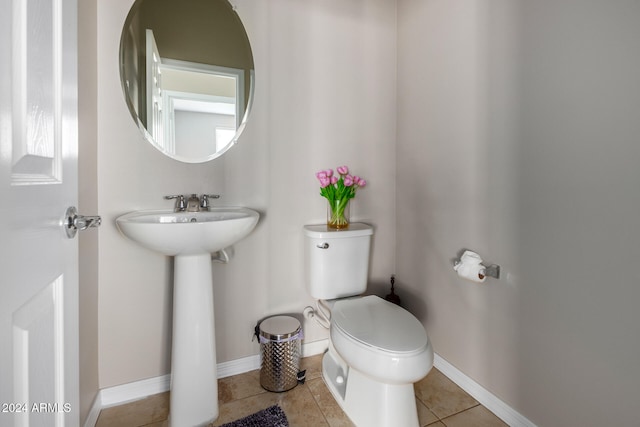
[377,350]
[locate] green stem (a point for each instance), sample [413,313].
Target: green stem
[337,218]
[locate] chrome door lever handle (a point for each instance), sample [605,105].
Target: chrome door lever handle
[74,222]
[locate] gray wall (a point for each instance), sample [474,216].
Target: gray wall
[313,110]
[518,137]
[517,129]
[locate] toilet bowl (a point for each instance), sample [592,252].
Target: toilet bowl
[381,340]
[377,350]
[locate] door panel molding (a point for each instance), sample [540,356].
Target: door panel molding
[37,92]
[38,334]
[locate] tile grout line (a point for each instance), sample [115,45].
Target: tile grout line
[457,413]
[324,416]
[317,404]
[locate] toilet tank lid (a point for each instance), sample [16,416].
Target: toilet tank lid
[321,231]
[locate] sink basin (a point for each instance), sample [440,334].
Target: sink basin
[191,237]
[188,233]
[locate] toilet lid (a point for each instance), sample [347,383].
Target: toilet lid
[375,322]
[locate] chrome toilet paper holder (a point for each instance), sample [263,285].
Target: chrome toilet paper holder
[492,270]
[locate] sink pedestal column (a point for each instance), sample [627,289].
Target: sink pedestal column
[194,376]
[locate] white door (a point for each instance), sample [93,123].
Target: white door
[38,181]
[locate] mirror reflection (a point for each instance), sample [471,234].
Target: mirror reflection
[186,68]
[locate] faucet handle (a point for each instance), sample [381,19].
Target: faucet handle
[204,201]
[181,203]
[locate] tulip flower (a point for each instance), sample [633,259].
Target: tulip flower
[324,182]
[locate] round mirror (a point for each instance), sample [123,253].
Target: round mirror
[187,74]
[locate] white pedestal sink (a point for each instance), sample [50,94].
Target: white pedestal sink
[191,237]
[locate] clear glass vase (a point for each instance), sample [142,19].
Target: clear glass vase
[338,214]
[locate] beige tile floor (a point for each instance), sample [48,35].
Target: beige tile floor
[441,403]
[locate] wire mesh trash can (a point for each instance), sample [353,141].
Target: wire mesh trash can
[280,338]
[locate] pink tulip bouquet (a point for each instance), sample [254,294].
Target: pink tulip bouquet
[338,190]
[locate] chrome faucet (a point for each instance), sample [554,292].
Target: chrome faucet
[204,201]
[181,204]
[193,203]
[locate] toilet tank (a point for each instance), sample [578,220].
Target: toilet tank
[336,261]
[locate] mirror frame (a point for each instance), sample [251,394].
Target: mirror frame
[249,94]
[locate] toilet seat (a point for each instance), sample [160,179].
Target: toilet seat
[374,322]
[381,340]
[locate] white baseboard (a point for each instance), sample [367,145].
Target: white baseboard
[315,347]
[118,395]
[94,412]
[238,366]
[124,393]
[503,411]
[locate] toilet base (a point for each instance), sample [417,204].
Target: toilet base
[367,402]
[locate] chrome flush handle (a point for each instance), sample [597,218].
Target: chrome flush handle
[325,245]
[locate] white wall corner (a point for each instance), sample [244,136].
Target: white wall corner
[94,412]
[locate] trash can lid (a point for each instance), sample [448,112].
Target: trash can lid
[279,327]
